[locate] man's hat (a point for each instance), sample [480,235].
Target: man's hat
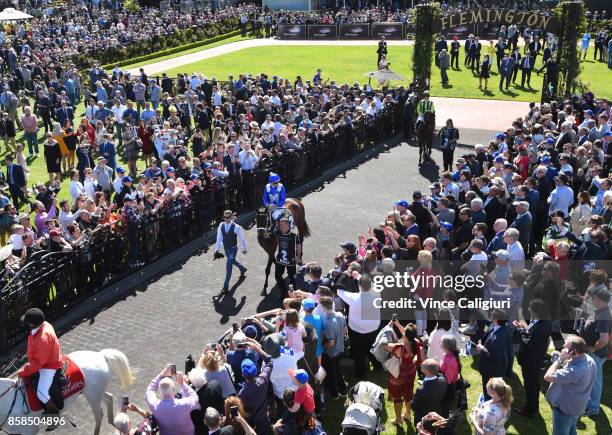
[500,136]
[401,203]
[274,177]
[121,170]
[170,169]
[127,179]
[426,93]
[417,195]
[447,225]
[23,216]
[502,254]
[588,111]
[54,233]
[349,246]
[607,133]
[309,304]
[299,375]
[545,159]
[239,339]
[435,185]
[248,367]
[271,344]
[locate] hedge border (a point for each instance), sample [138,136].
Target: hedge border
[173,50]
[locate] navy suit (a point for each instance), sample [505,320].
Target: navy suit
[523,224]
[505,72]
[64,113]
[532,351]
[493,362]
[15,176]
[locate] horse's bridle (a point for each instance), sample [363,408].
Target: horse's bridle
[17,389]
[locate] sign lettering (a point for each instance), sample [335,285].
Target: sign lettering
[499,16]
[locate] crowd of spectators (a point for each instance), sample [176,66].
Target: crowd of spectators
[193,133]
[529,211]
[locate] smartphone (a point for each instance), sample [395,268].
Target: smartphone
[173,369]
[234,411]
[125,401]
[394,317]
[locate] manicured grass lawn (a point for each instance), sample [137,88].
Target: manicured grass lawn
[517,425]
[193,50]
[350,63]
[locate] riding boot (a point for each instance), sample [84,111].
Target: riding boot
[51,407]
[51,410]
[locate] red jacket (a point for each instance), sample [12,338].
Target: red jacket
[43,351]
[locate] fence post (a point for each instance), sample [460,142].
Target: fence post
[4,347]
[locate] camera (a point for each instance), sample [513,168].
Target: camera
[234,411]
[173,369]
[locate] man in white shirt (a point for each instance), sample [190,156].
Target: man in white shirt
[118,110]
[363,322]
[66,217]
[515,250]
[118,181]
[228,234]
[76,187]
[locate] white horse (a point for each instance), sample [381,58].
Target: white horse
[97,369]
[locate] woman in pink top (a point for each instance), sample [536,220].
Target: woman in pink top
[450,368]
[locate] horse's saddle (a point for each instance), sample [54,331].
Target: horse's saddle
[68,380]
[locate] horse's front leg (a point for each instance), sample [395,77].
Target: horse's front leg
[108,399]
[268,268]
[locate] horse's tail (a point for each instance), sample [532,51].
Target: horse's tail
[296,207]
[119,365]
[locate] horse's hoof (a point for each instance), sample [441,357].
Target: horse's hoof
[263,293]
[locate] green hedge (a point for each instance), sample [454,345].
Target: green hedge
[425,16]
[173,50]
[182,38]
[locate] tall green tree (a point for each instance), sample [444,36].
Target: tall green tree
[425,17]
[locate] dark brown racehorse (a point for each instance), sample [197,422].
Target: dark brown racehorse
[425,134]
[268,241]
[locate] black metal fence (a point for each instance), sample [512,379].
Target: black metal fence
[58,281]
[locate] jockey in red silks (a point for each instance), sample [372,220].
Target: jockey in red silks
[44,355]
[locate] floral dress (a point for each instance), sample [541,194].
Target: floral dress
[492,417]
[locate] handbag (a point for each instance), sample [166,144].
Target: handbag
[462,385]
[392,365]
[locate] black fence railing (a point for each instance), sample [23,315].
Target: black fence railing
[58,281]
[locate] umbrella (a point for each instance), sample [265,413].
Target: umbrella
[10,14]
[385,75]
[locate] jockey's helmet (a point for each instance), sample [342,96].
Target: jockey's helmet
[33,316]
[274,177]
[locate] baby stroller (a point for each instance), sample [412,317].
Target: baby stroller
[362,417]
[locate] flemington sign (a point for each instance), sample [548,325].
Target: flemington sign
[505,17]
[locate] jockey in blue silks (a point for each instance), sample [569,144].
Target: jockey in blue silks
[274,196]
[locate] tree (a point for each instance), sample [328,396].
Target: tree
[567,57]
[425,17]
